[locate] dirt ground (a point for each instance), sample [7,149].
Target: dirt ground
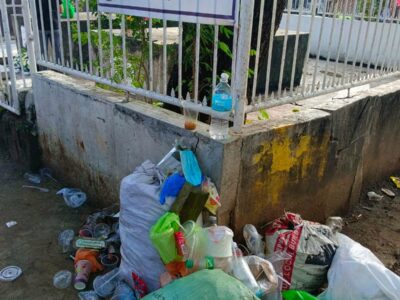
[32,243]
[376,225]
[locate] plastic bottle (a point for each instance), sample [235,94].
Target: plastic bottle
[242,272]
[221,108]
[253,240]
[194,265]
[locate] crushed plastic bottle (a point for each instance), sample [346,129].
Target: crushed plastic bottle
[73,197]
[62,279]
[33,178]
[65,240]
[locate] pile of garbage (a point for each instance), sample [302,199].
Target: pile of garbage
[166,243]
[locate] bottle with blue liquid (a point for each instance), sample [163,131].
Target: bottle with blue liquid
[221,109]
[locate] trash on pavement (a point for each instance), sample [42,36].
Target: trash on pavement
[253,240]
[190,167]
[65,239]
[40,189]
[356,273]
[83,268]
[104,285]
[310,245]
[388,192]
[73,197]
[11,224]
[213,201]
[62,279]
[88,295]
[172,186]
[90,243]
[396,181]
[123,292]
[10,273]
[372,196]
[205,284]
[139,211]
[264,273]
[335,224]
[33,178]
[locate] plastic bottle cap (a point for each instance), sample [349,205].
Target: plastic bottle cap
[224,77]
[189,263]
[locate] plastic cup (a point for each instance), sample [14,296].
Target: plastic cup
[101,231]
[109,260]
[82,271]
[123,292]
[104,285]
[62,279]
[220,239]
[191,115]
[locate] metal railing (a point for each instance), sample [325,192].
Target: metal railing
[275,52]
[14,59]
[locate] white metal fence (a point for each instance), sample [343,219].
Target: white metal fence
[320,46]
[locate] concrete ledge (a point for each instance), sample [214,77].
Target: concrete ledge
[313,160]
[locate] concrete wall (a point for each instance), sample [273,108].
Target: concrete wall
[91,139]
[314,162]
[374,46]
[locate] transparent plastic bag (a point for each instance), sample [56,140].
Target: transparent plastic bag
[73,197]
[264,273]
[254,240]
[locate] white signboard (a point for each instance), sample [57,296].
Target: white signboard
[221,12]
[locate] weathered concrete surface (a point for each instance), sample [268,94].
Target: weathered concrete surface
[314,160]
[92,139]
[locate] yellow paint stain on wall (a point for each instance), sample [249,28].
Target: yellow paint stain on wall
[288,155]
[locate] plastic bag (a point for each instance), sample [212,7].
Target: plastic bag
[297,295]
[263,271]
[311,247]
[73,197]
[205,284]
[253,240]
[356,273]
[162,236]
[140,209]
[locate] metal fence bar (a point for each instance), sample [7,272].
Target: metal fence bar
[60,36]
[52,31]
[241,75]
[89,33]
[373,39]
[124,60]
[345,67]
[100,45]
[151,70]
[5,63]
[197,62]
[180,61]
[339,47]
[78,26]
[14,103]
[270,47]
[283,58]
[296,47]
[305,68]
[165,57]
[111,37]
[18,43]
[380,42]
[319,48]
[70,44]
[330,44]
[215,58]
[259,32]
[26,9]
[391,65]
[44,46]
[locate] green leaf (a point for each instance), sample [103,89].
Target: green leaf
[225,48]
[263,115]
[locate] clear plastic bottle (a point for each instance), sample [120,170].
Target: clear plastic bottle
[242,272]
[221,108]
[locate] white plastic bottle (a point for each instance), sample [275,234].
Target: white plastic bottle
[221,108]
